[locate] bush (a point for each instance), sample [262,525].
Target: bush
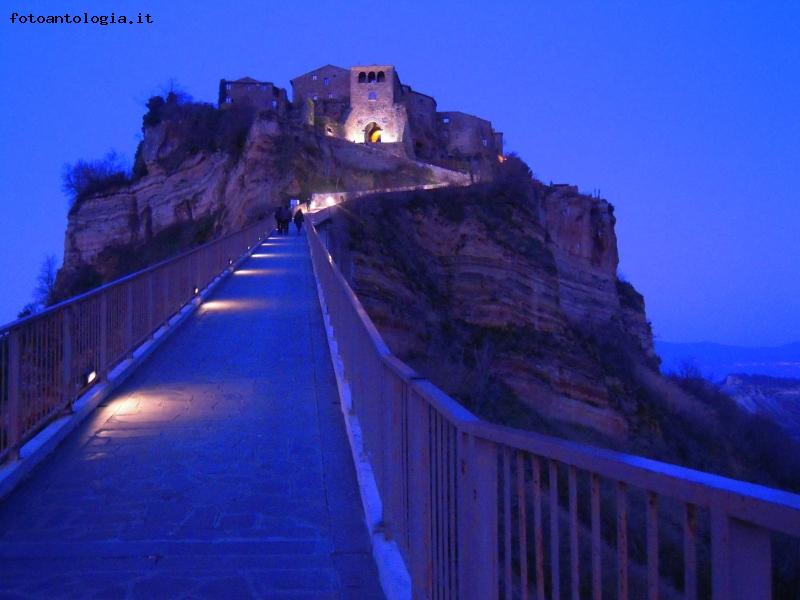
[197,127]
[89,178]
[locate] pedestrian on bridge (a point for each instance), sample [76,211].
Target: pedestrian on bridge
[298,220]
[283,216]
[278,224]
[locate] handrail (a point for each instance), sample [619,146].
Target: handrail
[47,360]
[459,494]
[87,294]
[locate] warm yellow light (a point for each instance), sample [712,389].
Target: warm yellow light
[375,136]
[501,158]
[329,201]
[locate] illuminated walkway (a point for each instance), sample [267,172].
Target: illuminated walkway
[221,469]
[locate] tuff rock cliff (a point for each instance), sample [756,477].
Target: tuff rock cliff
[504,285]
[201,172]
[506,295]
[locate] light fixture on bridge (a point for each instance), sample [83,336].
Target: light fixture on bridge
[196,290]
[230,261]
[91,376]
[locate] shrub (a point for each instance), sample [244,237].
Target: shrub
[88,178]
[197,127]
[628,296]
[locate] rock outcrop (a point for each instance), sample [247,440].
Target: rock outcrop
[512,285]
[200,192]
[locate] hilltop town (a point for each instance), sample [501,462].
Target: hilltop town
[368,104]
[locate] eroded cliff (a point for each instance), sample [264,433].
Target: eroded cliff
[201,173]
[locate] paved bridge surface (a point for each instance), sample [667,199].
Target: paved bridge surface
[220,469]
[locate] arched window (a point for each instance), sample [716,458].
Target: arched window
[371,77]
[381,76]
[373,96]
[362,77]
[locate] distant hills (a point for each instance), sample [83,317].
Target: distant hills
[717,361]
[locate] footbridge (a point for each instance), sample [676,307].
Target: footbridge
[230,424]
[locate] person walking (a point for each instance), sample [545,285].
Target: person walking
[298,220]
[278,216]
[283,216]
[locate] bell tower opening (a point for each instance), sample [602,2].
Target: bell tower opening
[372,134]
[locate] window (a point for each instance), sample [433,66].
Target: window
[446,120]
[264,87]
[274,104]
[313,78]
[228,86]
[316,97]
[371,77]
[373,96]
[381,77]
[330,96]
[326,81]
[228,100]
[362,77]
[485,142]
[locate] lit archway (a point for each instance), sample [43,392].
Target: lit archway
[372,134]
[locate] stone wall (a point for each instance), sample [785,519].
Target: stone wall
[423,124]
[466,135]
[261,94]
[323,84]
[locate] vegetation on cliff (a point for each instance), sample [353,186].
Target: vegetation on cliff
[195,127]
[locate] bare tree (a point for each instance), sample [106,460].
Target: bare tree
[46,281]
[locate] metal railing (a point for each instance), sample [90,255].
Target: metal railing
[480,511]
[47,360]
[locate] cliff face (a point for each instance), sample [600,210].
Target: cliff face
[190,193]
[775,398]
[499,293]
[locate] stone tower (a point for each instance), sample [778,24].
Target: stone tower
[376,116]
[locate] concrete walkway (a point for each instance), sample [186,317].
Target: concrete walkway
[220,470]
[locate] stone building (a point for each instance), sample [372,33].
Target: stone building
[377,112]
[368,104]
[260,94]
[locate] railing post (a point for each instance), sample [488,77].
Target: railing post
[151,309]
[129,317]
[477,520]
[741,559]
[66,358]
[394,391]
[102,367]
[419,496]
[14,395]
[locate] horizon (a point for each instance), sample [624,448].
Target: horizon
[698,129]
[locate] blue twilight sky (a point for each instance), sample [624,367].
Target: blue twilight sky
[683,114]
